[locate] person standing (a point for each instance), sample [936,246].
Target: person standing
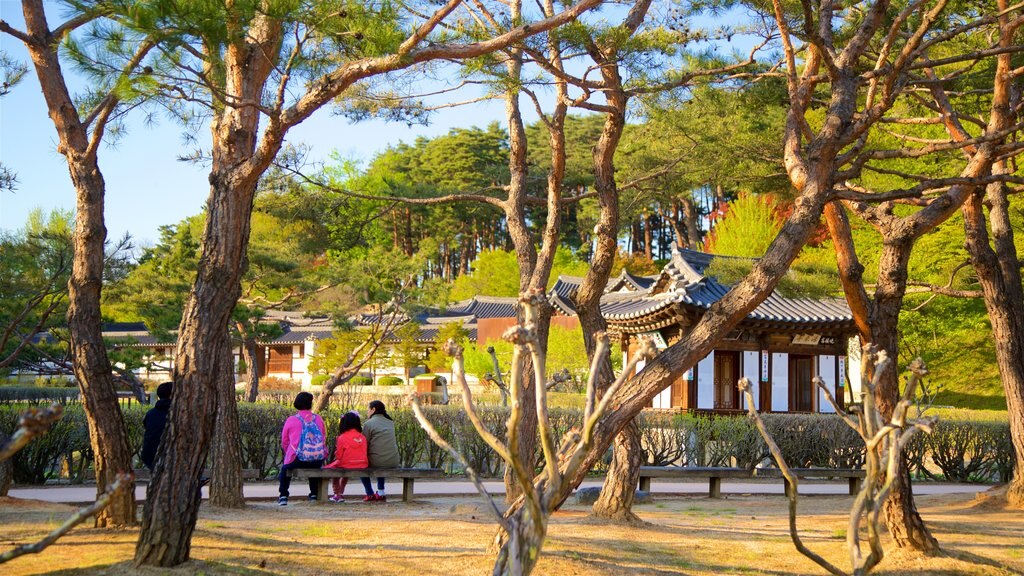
[154,423]
[302,441]
[382,447]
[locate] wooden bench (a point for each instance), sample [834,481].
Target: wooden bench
[408,476]
[855,476]
[713,474]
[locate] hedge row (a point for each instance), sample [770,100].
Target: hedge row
[960,451]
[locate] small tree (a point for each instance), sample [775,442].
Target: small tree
[564,458]
[884,442]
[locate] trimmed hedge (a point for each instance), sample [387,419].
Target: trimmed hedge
[958,451]
[390,381]
[37,395]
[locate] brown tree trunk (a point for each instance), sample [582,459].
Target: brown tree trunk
[648,237]
[252,365]
[999,275]
[691,218]
[616,499]
[227,483]
[6,471]
[900,512]
[172,503]
[107,433]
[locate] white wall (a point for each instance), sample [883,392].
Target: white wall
[780,382]
[853,385]
[751,364]
[706,382]
[827,371]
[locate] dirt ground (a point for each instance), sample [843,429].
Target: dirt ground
[449,536]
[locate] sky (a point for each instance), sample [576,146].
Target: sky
[146,185]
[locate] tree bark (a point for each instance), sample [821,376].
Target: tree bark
[999,275]
[107,433]
[616,499]
[6,471]
[172,502]
[226,485]
[648,237]
[252,365]
[692,220]
[900,512]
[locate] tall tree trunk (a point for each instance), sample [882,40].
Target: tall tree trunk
[999,275]
[648,236]
[226,484]
[692,220]
[6,471]
[172,503]
[616,499]
[252,365]
[900,512]
[107,434]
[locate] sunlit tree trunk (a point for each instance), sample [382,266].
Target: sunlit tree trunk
[107,433]
[226,483]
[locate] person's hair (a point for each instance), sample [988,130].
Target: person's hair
[164,391]
[303,401]
[350,421]
[378,408]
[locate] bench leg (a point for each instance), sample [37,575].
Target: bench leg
[407,489]
[321,490]
[855,486]
[645,484]
[714,487]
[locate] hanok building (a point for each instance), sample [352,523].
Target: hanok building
[780,346]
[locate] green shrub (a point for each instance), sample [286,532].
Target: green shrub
[390,381]
[319,379]
[960,451]
[969,451]
[361,381]
[260,434]
[36,396]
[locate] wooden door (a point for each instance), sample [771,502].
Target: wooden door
[801,372]
[727,370]
[280,359]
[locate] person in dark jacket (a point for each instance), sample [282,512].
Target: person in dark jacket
[154,423]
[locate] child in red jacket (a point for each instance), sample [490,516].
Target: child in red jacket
[349,452]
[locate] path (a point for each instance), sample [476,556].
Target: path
[457,486]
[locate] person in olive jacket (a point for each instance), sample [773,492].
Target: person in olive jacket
[382,447]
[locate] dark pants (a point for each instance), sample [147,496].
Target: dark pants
[369,488]
[285,480]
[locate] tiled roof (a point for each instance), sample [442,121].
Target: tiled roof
[485,307]
[630,305]
[690,287]
[428,334]
[297,318]
[302,334]
[132,335]
[566,286]
[631,282]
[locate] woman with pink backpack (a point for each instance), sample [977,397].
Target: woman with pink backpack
[302,440]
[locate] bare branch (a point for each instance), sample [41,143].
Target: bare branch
[121,483]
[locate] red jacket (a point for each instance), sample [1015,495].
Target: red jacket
[350,451]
